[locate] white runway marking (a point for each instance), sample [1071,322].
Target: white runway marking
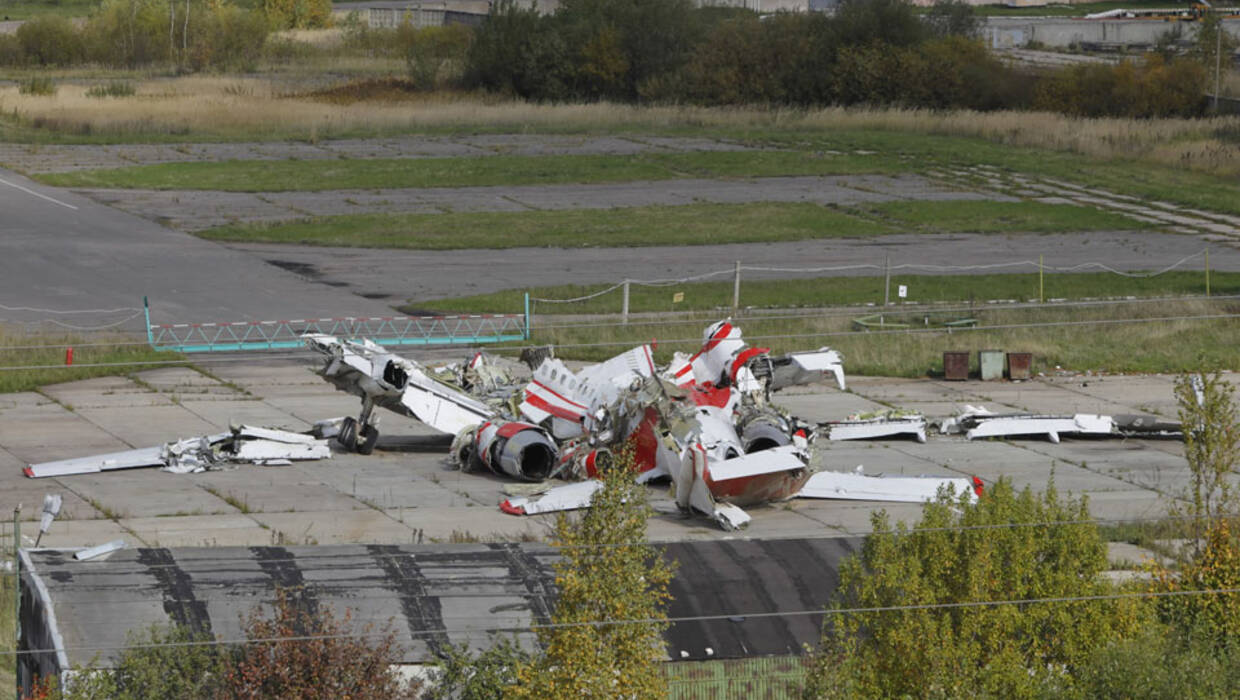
[27,190]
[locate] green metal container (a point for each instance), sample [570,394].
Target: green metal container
[991,364]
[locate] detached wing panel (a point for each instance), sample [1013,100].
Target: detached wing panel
[897,489]
[129,459]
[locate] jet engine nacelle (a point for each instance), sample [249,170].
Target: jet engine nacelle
[515,449]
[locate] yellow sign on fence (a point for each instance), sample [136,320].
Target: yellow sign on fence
[678,297]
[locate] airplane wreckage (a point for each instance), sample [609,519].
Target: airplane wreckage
[705,422]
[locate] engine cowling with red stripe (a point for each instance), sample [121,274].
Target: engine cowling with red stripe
[515,449]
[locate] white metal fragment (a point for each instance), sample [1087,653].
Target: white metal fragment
[100,550]
[567,497]
[899,489]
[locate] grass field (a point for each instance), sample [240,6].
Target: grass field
[386,173]
[692,224]
[16,354]
[1132,338]
[822,292]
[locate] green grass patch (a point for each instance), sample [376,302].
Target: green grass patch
[387,173]
[693,224]
[39,366]
[926,151]
[1112,338]
[840,291]
[1000,217]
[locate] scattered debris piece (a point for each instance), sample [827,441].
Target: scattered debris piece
[243,443]
[867,426]
[978,422]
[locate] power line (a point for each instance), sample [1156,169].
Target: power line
[730,616]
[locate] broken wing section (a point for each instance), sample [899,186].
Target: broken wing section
[241,444]
[898,489]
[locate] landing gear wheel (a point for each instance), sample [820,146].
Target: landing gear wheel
[367,439]
[347,437]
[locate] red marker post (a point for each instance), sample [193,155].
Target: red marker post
[69,356]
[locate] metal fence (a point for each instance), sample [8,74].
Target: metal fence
[472,329]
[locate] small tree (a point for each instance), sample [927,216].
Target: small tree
[1208,417]
[1007,546]
[313,656]
[607,573]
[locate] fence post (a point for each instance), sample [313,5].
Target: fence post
[886,280]
[17,587]
[146,309]
[1041,285]
[736,289]
[1207,271]
[529,318]
[624,310]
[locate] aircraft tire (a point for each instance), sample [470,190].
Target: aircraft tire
[366,439]
[347,437]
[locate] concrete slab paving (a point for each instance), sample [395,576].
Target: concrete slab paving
[200,531]
[142,493]
[336,527]
[145,426]
[287,489]
[224,413]
[104,392]
[81,533]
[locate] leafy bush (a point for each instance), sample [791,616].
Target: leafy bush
[434,55]
[50,41]
[298,14]
[1153,88]
[952,556]
[115,88]
[37,86]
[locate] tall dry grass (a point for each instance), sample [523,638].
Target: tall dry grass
[244,108]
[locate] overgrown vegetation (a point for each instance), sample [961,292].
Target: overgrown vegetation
[964,553]
[293,652]
[130,33]
[927,630]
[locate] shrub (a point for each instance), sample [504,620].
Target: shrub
[37,86]
[434,55]
[331,664]
[50,41]
[1152,88]
[115,88]
[11,51]
[298,14]
[955,555]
